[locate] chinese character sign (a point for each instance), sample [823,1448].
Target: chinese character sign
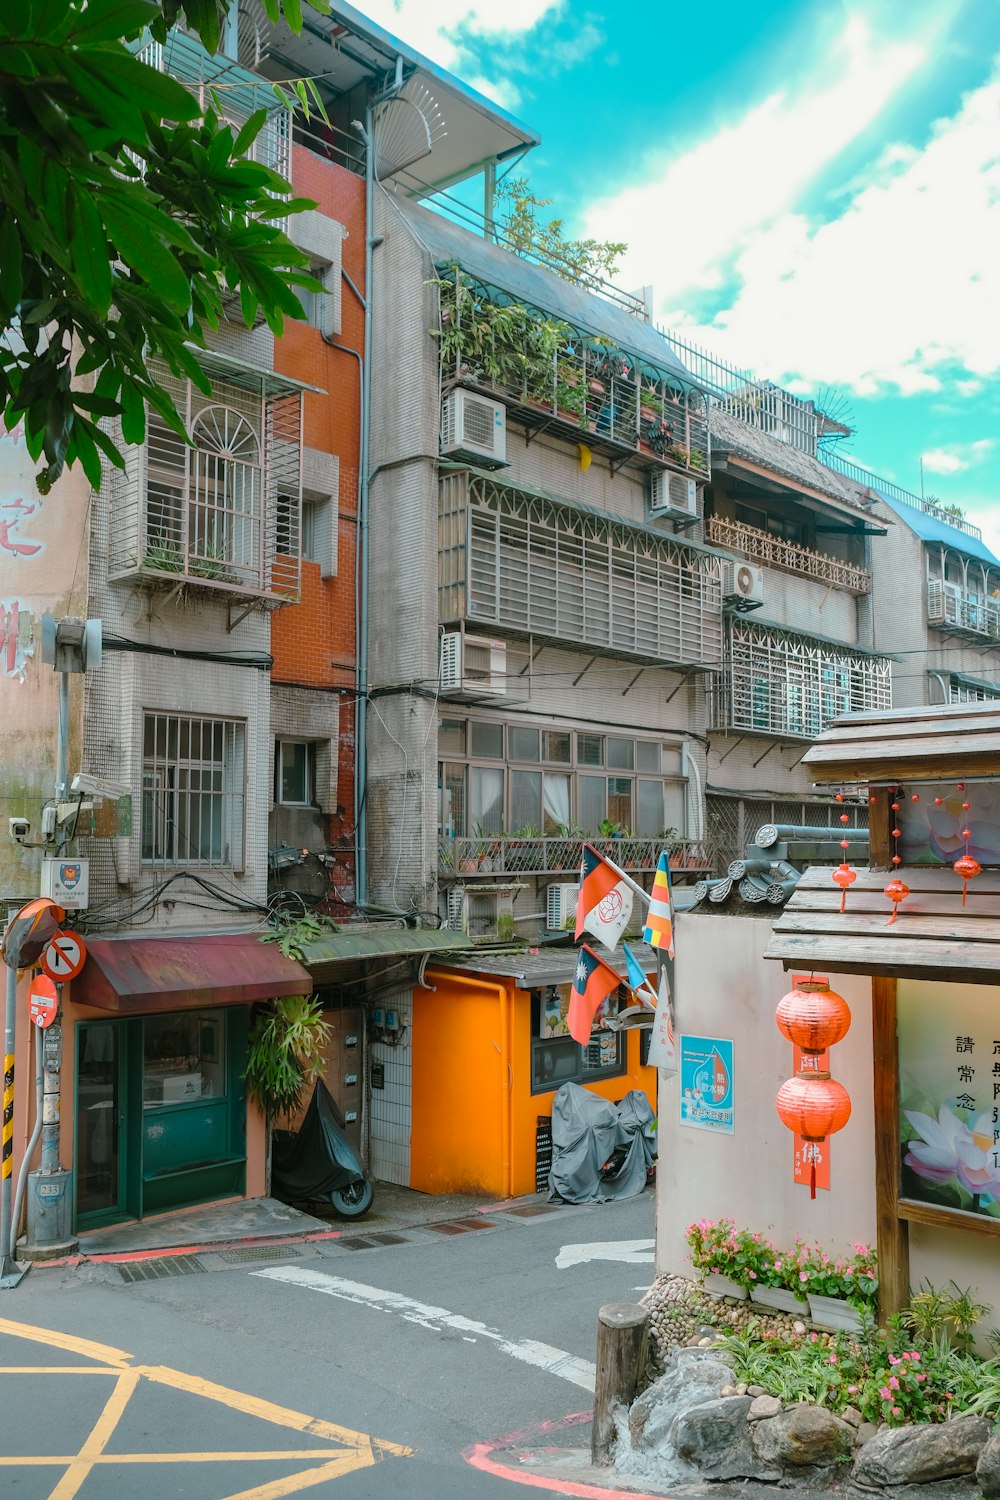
[706,1069]
[808,1154]
[949,1088]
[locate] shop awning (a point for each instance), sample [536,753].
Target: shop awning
[933,937]
[381,942]
[531,969]
[139,976]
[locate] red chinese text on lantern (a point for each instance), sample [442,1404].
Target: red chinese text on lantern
[812,1103]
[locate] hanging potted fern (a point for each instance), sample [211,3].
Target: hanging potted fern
[287,1051]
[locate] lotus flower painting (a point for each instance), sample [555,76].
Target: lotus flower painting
[931,829]
[949,1068]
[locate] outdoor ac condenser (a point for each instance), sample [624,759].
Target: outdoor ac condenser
[672,494]
[560,905]
[473,666]
[474,428]
[743,585]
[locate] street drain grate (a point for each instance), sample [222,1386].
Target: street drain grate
[460,1226]
[388,1239]
[370,1241]
[354,1242]
[533,1209]
[156,1270]
[259,1252]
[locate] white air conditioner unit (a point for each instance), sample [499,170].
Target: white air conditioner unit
[560,906]
[473,666]
[742,585]
[474,428]
[673,493]
[488,912]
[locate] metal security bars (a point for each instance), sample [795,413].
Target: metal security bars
[533,565]
[209,512]
[732,822]
[193,791]
[789,685]
[775,552]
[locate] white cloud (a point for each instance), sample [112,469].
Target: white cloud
[440,29]
[901,289]
[698,210]
[501,90]
[957,456]
[968,387]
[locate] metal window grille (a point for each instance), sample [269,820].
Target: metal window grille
[225,510]
[777,683]
[964,692]
[531,564]
[193,791]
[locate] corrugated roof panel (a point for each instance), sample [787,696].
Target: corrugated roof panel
[929,529]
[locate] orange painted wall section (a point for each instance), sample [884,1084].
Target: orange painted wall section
[460,1073]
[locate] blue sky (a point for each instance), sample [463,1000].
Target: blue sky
[812,190]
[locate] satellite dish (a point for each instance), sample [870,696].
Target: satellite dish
[405,128]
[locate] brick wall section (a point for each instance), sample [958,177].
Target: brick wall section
[313,642]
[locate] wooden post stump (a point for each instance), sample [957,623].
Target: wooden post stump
[621,1351]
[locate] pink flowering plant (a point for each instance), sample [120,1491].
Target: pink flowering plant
[853,1279]
[718,1248]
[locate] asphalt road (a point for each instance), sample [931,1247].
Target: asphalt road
[311,1367]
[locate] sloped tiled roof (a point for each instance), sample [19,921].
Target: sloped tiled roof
[729,435]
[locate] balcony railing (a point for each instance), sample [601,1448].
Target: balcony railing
[951,608]
[552,375]
[505,855]
[788,556]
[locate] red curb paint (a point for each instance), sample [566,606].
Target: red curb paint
[479,1456]
[136,1255]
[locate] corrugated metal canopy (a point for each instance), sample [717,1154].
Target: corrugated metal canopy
[961,739]
[521,280]
[929,529]
[540,966]
[383,942]
[140,976]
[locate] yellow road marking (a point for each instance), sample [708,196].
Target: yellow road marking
[359,1450]
[346,1463]
[281,1416]
[242,1455]
[100,1435]
[67,1341]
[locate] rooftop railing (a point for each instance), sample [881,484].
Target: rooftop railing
[886,487]
[505,854]
[774,552]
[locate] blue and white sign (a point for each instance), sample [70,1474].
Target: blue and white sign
[707,1083]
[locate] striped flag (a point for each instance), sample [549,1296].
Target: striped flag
[659,930]
[593,982]
[604,904]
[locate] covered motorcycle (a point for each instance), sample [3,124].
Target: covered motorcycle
[317,1163]
[600,1150]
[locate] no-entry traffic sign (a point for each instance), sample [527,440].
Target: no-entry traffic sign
[65,956]
[43,1002]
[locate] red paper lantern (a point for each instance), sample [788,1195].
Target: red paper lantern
[815,1105]
[844,876]
[897,890]
[812,1016]
[967,869]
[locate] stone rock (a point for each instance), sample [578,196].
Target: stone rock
[923,1453]
[729,1390]
[705,1343]
[741,1389]
[756,1390]
[692,1377]
[714,1440]
[763,1406]
[799,1326]
[852,1415]
[802,1436]
[988,1468]
[865,1433]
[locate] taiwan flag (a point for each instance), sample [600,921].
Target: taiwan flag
[593,982]
[604,905]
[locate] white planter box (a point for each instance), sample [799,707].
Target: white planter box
[721,1286]
[779,1298]
[833,1313]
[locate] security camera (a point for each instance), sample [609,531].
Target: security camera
[93,786]
[19,829]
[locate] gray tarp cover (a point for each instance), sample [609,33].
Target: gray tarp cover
[586,1132]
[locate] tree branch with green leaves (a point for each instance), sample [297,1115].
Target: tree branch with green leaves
[128,212]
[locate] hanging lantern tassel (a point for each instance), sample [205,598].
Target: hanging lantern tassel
[845,877]
[815,1105]
[966,868]
[897,891]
